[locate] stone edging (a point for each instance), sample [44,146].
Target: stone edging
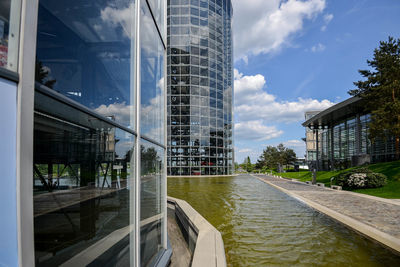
[209,247]
[373,233]
[386,200]
[200,176]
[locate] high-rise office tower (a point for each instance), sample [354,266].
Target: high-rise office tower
[200,87]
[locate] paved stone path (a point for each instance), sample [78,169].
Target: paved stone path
[374,212]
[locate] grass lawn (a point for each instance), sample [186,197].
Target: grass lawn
[390,169]
[322,176]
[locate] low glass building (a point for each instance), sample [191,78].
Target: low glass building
[200,83]
[340,140]
[83,149]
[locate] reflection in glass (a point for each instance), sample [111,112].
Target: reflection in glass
[86,54]
[84,179]
[152,81]
[152,162]
[158,8]
[82,183]
[9,33]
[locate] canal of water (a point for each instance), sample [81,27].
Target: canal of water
[262,226]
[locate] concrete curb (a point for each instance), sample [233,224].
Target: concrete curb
[386,200]
[209,247]
[201,176]
[383,238]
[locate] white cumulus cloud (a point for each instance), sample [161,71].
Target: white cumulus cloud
[253,103]
[245,150]
[255,130]
[118,16]
[294,143]
[265,26]
[120,111]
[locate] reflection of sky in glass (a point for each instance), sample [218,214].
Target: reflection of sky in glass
[86,50]
[4,25]
[158,8]
[125,143]
[152,82]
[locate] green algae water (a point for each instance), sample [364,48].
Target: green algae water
[262,226]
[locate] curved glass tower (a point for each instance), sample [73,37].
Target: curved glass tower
[200,84]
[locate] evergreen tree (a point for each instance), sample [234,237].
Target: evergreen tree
[274,156]
[248,165]
[381,91]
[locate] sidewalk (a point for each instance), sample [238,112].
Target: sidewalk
[374,217]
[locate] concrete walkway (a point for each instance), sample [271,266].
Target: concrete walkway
[374,217]
[181,255]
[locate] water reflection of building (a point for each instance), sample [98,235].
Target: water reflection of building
[84,144]
[338,137]
[200,84]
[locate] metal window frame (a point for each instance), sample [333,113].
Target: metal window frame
[25,123]
[14,35]
[136,248]
[25,104]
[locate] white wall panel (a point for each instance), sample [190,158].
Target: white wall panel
[8,184]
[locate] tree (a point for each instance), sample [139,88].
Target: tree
[381,91]
[274,156]
[247,164]
[289,156]
[269,158]
[236,166]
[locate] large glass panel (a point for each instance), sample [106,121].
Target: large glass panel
[83,187]
[158,9]
[85,52]
[9,33]
[152,78]
[152,173]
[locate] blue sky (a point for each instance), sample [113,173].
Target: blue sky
[298,55]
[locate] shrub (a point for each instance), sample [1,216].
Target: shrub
[360,178]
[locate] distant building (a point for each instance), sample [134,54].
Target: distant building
[200,87]
[311,150]
[338,137]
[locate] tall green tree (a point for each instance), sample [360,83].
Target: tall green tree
[381,91]
[272,156]
[269,158]
[289,156]
[247,164]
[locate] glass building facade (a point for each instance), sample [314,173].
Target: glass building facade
[337,138]
[90,184]
[200,87]
[311,149]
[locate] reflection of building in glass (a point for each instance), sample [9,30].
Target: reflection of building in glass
[338,137]
[4,18]
[91,181]
[199,87]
